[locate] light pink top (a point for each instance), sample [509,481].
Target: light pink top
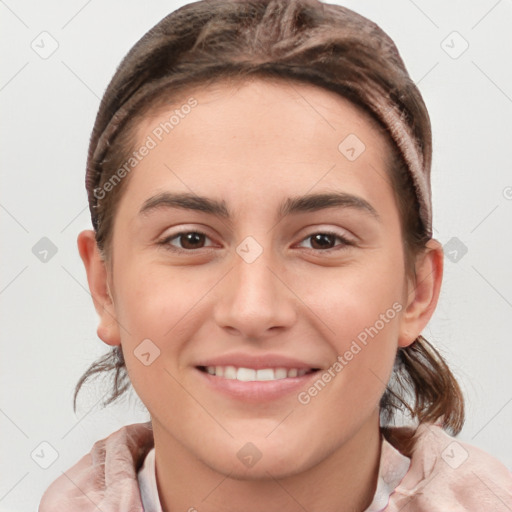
[442,475]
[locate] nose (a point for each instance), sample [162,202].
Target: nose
[255,300]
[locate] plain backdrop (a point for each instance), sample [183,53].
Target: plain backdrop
[57,59]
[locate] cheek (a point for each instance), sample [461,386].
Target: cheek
[156,307]
[166,306]
[350,299]
[154,300]
[361,308]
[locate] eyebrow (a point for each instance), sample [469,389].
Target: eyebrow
[292,205]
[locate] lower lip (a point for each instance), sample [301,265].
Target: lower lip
[257,391]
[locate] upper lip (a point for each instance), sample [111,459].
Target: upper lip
[257,362]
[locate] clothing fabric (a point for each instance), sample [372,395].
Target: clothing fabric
[147,484]
[443,475]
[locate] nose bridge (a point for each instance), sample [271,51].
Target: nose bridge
[253,299]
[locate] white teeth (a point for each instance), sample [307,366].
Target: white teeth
[245,374]
[281,373]
[250,374]
[265,374]
[229,372]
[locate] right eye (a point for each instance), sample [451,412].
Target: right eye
[185,241]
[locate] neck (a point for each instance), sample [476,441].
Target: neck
[344,481]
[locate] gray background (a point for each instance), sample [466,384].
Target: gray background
[48,106]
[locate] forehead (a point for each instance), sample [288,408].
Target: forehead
[259,94]
[260,138]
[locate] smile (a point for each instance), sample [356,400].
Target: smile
[253,374]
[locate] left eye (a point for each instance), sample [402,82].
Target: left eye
[324,241]
[187,240]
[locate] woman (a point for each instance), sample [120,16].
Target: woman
[262,264]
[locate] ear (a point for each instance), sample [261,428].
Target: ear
[422,293]
[97,277]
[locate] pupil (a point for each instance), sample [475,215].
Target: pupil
[323,239]
[192,239]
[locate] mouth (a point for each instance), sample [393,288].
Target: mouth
[255,374]
[258,382]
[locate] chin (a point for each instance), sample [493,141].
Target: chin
[259,459]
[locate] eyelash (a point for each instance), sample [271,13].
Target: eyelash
[166,241]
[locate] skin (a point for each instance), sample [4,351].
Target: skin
[254,145]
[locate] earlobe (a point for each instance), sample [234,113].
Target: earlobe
[422,293]
[97,277]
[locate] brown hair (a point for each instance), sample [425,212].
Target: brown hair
[299,40]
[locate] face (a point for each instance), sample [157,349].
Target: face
[257,275]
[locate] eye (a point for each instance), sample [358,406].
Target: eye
[186,241]
[326,240]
